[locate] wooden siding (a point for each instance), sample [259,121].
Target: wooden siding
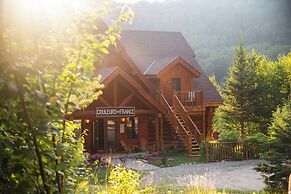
[177,71]
[117,92]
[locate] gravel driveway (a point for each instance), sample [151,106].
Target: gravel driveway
[238,175]
[232,174]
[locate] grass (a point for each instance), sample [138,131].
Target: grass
[176,158]
[102,173]
[195,190]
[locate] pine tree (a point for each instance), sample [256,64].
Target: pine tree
[278,168]
[239,89]
[272,88]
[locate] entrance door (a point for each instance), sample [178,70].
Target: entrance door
[111,133]
[176,84]
[99,134]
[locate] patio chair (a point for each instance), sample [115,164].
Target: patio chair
[126,148]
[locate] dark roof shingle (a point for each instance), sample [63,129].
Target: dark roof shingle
[154,50]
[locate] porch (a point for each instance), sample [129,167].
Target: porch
[142,132]
[190,99]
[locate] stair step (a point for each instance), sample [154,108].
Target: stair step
[195,155]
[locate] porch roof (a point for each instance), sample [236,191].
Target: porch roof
[110,73]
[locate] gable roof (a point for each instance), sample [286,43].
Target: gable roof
[152,51]
[110,73]
[158,67]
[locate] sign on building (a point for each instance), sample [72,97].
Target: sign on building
[115,111]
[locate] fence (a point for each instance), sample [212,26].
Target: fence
[289,185]
[232,151]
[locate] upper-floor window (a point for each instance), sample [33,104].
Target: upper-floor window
[176,84]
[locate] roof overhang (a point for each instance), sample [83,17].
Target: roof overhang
[218,103]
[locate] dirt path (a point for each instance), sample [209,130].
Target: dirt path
[234,175]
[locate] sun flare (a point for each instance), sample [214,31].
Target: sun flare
[18,12]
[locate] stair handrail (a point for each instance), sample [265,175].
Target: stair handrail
[174,119]
[165,103]
[173,115]
[185,115]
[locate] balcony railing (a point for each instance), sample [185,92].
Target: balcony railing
[190,98]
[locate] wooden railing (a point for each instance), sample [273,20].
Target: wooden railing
[190,98]
[184,135]
[168,95]
[232,151]
[170,112]
[187,119]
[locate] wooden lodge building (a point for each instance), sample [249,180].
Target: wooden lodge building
[156,97]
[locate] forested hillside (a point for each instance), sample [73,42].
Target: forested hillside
[213,28]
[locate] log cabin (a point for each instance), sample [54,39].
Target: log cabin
[156,97]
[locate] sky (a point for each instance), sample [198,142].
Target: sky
[134,1]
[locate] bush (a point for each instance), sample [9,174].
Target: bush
[277,170]
[203,150]
[229,136]
[120,180]
[257,137]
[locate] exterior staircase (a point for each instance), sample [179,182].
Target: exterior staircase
[182,124]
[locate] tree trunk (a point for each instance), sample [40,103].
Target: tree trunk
[34,139]
[242,129]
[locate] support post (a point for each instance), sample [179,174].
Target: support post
[115,92]
[157,135]
[207,152]
[203,125]
[161,131]
[289,186]
[189,139]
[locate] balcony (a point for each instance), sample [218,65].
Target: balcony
[190,98]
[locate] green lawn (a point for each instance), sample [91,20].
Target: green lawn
[176,158]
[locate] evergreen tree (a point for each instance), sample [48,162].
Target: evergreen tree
[278,168]
[239,89]
[272,88]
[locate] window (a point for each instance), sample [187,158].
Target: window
[176,84]
[132,127]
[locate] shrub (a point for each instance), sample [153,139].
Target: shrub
[120,180]
[229,136]
[203,150]
[257,137]
[277,170]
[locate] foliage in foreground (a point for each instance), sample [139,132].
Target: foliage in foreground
[278,168]
[120,180]
[46,72]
